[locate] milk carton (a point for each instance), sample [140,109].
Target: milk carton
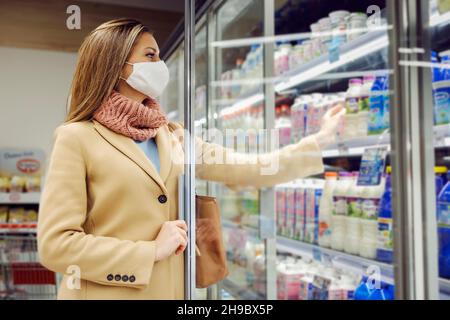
[312,199]
[290,211]
[280,207]
[300,217]
[326,209]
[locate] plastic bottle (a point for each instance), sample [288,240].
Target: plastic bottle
[385,228]
[340,210]
[326,209]
[371,196]
[356,22]
[368,82]
[378,106]
[353,96]
[353,217]
[364,106]
[339,26]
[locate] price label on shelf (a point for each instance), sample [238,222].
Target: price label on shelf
[14,197]
[372,166]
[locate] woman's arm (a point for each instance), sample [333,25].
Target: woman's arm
[62,241]
[301,159]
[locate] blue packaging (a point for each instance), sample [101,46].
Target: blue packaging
[385,227]
[379,106]
[443,219]
[363,291]
[441,98]
[441,91]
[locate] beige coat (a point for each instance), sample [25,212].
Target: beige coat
[101,207]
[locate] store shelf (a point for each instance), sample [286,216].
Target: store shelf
[336,258]
[362,46]
[12,228]
[355,147]
[20,198]
[444,285]
[235,283]
[239,292]
[349,52]
[345,260]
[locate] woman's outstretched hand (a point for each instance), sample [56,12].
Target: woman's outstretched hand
[329,125]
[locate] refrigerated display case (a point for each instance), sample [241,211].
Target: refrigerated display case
[364,229]
[433,72]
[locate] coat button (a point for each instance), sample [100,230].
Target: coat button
[117,277]
[110,277]
[132,279]
[162,199]
[125,278]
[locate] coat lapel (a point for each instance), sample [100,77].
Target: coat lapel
[130,149]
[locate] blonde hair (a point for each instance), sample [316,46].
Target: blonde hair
[100,61]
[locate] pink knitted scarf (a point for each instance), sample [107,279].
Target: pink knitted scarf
[131,118]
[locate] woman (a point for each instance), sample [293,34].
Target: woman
[108,212]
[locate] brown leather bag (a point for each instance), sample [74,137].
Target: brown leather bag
[211,262]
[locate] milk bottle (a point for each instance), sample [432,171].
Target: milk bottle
[352,104]
[370,197]
[363,114]
[353,218]
[340,210]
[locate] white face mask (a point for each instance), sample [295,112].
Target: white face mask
[149,78]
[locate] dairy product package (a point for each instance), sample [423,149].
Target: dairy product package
[300,212]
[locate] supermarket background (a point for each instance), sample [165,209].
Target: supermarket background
[273,64]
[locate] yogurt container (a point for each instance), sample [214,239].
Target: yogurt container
[356,25]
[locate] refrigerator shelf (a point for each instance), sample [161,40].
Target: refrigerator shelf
[240,292]
[236,283]
[338,259]
[313,70]
[444,285]
[361,47]
[355,147]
